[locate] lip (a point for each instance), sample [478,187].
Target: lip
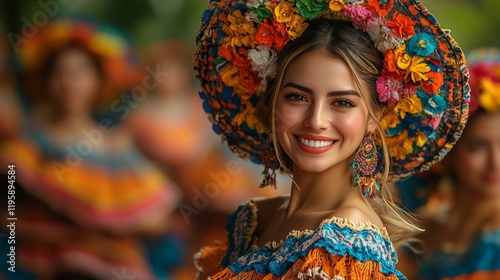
[314,150]
[315,137]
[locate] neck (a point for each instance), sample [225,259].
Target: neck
[321,191]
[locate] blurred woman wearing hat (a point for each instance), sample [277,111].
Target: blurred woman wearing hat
[86,199]
[462,240]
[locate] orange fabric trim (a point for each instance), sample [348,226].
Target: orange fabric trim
[208,260]
[317,264]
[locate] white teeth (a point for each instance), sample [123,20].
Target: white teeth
[315,144]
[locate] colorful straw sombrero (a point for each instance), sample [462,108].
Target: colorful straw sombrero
[423,83]
[114,49]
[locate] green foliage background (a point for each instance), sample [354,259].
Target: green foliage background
[474,23]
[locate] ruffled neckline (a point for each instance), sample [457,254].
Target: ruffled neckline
[340,222]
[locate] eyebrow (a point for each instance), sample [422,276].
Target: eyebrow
[332,93]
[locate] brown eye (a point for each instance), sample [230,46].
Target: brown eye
[344,103]
[296,97]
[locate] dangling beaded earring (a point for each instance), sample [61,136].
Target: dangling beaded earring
[271,165]
[366,167]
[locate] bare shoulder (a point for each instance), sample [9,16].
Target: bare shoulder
[267,209]
[357,214]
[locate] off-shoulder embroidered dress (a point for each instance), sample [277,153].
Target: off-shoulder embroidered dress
[338,249]
[480,261]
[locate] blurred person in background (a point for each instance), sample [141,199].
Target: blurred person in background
[10,112]
[462,215]
[89,205]
[171,128]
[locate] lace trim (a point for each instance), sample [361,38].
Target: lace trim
[241,228]
[340,222]
[252,223]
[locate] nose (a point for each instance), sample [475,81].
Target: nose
[318,116]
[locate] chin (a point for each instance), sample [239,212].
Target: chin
[314,166]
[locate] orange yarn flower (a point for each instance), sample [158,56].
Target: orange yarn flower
[249,79]
[230,76]
[434,81]
[378,7]
[238,58]
[417,69]
[225,52]
[296,26]
[400,145]
[241,59]
[403,60]
[284,12]
[240,31]
[390,66]
[336,5]
[408,104]
[249,116]
[272,34]
[402,25]
[390,121]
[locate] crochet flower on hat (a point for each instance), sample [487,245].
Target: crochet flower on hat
[423,83]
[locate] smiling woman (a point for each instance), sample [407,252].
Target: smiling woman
[332,93]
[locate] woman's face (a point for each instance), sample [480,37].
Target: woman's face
[74,82]
[176,80]
[476,156]
[321,117]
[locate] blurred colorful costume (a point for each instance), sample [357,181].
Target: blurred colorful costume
[82,209]
[426,101]
[480,259]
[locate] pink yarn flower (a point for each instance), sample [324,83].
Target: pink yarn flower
[388,89]
[434,121]
[360,16]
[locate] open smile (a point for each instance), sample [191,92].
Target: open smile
[314,144]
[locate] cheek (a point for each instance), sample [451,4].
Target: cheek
[351,126]
[288,116]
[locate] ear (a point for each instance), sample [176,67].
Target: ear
[372,125]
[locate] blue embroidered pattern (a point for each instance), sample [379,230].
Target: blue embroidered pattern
[336,239]
[240,229]
[483,255]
